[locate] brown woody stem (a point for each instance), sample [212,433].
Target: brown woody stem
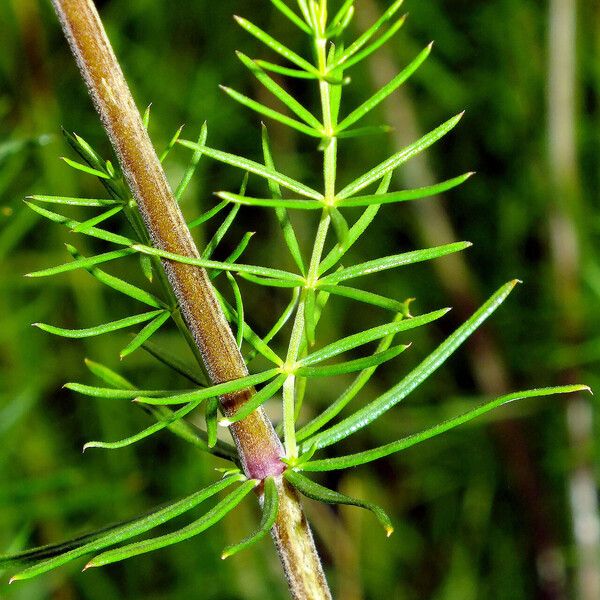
[259,447]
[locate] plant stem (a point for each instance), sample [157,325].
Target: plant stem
[258,445]
[329,174]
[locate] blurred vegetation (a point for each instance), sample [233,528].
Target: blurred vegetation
[487,511]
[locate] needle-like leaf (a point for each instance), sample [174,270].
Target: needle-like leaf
[393,261]
[99,329]
[124,287]
[369,335]
[385,91]
[174,363]
[272,114]
[360,458]
[113,393]
[145,334]
[253,167]
[211,413]
[280,93]
[83,263]
[397,159]
[351,366]
[375,409]
[71,223]
[239,307]
[313,490]
[212,264]
[170,145]
[276,46]
[130,528]
[404,195]
[85,168]
[73,201]
[209,214]
[270,508]
[370,32]
[196,156]
[364,296]
[212,517]
[291,15]
[219,389]
[380,41]
[278,203]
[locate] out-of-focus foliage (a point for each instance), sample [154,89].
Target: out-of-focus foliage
[473,517]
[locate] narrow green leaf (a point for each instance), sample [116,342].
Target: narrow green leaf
[404,195]
[347,395]
[167,421]
[83,263]
[147,332]
[375,409]
[280,93]
[393,261]
[314,491]
[364,131]
[228,387]
[309,316]
[86,225]
[99,329]
[380,41]
[270,508]
[146,116]
[276,46]
[85,168]
[130,528]
[119,285]
[270,282]
[212,264]
[351,366]
[291,15]
[212,517]
[370,32]
[220,233]
[71,223]
[196,156]
[270,113]
[209,214]
[146,267]
[360,458]
[338,251]
[340,224]
[399,158]
[211,410]
[237,252]
[170,145]
[298,74]
[385,91]
[256,168]
[108,375]
[239,307]
[339,16]
[74,201]
[369,335]
[294,203]
[255,401]
[364,296]
[113,393]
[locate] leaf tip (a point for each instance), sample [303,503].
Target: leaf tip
[13,579]
[89,565]
[224,422]
[389,530]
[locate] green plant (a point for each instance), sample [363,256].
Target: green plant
[182,292]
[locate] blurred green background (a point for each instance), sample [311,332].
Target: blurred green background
[504,508]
